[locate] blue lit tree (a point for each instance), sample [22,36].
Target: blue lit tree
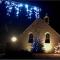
[37,46]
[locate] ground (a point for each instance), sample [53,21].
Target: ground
[27,55]
[47,56]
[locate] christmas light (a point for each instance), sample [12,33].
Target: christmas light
[35,8]
[1,1]
[10,5]
[8,14]
[26,6]
[20,5]
[57,48]
[37,46]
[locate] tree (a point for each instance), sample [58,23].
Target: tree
[37,46]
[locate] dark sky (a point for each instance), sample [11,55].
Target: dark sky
[51,7]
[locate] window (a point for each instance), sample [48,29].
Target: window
[31,38]
[47,40]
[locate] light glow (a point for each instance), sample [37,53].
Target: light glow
[47,33]
[28,47]
[13,39]
[47,47]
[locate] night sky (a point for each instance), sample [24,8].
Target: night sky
[14,26]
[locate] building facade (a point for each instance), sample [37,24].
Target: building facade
[44,32]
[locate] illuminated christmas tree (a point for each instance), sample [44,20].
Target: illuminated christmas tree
[37,46]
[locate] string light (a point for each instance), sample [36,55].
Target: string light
[1,1]
[20,5]
[10,5]
[26,6]
[35,8]
[57,48]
